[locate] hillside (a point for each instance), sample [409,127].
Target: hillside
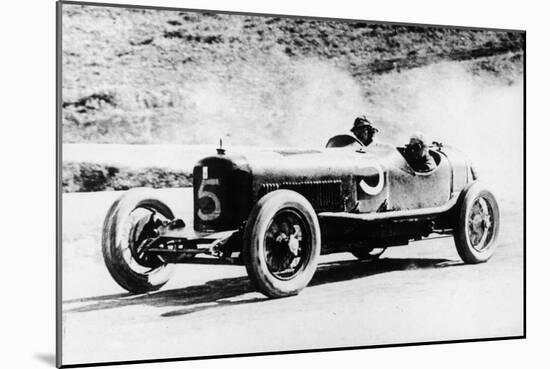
[148,76]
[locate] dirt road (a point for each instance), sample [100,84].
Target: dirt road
[417,293]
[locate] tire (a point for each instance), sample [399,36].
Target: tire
[477,226]
[126,223]
[367,253]
[282,243]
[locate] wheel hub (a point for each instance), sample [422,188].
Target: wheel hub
[284,244]
[480,224]
[144,229]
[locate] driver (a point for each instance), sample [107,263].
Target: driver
[417,154]
[364,130]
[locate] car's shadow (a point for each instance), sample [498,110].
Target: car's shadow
[223,292]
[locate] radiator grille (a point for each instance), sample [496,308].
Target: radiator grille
[324,195]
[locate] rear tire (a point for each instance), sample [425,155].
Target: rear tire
[125,226]
[477,225]
[282,243]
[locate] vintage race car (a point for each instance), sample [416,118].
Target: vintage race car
[276,211]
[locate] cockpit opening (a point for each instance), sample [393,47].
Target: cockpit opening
[417,167]
[344,140]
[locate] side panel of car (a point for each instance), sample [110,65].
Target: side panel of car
[323,178]
[461,174]
[371,181]
[413,190]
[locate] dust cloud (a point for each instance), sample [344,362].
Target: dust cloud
[274,103]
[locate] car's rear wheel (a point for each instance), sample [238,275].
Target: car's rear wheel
[477,225]
[368,253]
[282,243]
[131,222]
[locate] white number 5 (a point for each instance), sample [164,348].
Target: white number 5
[212,196]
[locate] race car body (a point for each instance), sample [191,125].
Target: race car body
[276,211]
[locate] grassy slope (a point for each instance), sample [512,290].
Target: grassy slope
[131,76]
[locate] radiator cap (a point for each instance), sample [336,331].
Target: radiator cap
[220,150]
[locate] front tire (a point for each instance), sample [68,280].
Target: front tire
[129,222]
[477,225]
[282,243]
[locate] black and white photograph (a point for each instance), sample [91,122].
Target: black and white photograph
[233,183]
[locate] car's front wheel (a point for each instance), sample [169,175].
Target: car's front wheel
[477,225]
[282,243]
[130,222]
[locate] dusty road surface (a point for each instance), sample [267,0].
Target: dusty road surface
[421,292]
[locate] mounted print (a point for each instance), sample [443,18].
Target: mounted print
[242,184]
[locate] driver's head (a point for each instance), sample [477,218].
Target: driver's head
[417,143]
[364,130]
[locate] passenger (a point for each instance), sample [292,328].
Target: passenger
[418,155]
[364,130]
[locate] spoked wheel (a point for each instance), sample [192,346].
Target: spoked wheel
[478,224]
[130,224]
[368,253]
[282,243]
